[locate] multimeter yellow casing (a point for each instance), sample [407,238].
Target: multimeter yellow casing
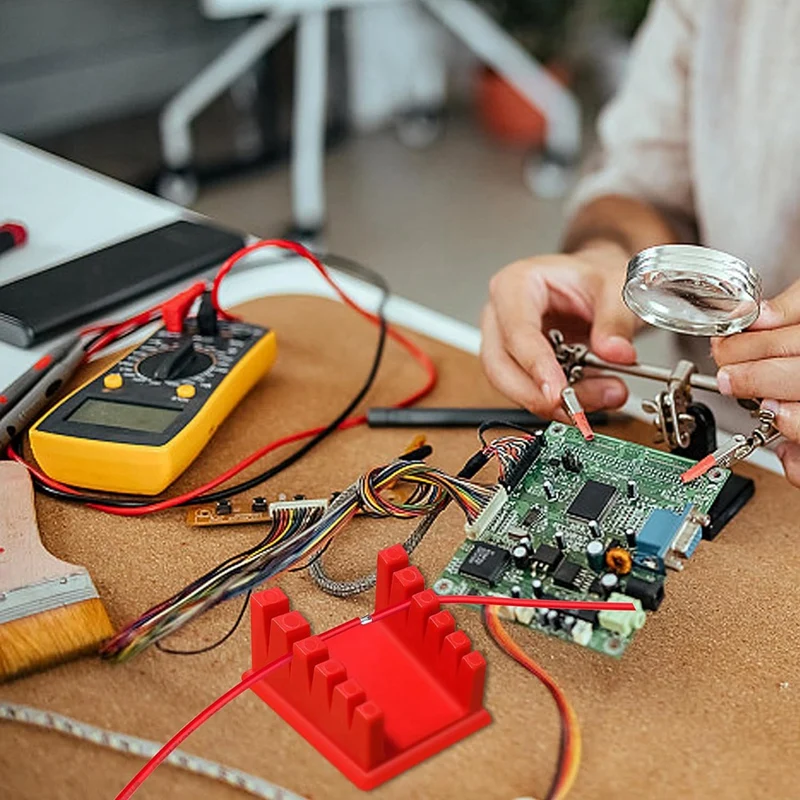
[137,426]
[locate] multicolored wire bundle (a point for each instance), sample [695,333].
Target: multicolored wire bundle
[225,581]
[296,534]
[507,450]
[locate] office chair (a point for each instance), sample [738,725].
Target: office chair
[466,20]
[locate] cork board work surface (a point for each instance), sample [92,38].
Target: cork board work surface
[695,708]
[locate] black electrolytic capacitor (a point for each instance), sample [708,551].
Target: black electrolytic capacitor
[630,537]
[559,538]
[608,583]
[633,490]
[549,491]
[595,554]
[522,556]
[516,591]
[537,587]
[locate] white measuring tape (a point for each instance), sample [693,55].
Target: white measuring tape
[14,712]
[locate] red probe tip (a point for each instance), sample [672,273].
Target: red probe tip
[582,424]
[19,233]
[699,469]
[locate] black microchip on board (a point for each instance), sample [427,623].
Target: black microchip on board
[547,556]
[533,516]
[566,574]
[486,562]
[591,501]
[586,615]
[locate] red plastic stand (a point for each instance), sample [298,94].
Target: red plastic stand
[378,698]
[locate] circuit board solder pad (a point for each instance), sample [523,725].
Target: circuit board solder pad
[625,495]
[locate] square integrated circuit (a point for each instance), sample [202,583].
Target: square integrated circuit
[486,562]
[591,501]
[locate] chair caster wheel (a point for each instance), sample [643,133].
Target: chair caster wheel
[418,129]
[547,177]
[312,238]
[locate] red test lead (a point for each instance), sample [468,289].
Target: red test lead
[576,413]
[699,469]
[734,449]
[12,234]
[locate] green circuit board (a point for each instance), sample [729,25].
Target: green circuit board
[606,519]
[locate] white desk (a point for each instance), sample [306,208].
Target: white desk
[70,210]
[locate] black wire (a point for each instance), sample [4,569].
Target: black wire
[219,641]
[345,265]
[492,424]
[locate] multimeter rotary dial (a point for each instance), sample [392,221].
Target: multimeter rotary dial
[179,364]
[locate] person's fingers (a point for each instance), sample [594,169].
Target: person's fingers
[505,374]
[614,326]
[780,311]
[789,454]
[756,345]
[597,394]
[519,301]
[778,378]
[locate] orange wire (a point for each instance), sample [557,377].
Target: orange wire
[569,763]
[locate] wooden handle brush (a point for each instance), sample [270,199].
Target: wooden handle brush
[49,609]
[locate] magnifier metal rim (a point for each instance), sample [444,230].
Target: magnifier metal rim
[693,259]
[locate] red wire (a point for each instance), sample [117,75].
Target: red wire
[294,247]
[377,616]
[417,353]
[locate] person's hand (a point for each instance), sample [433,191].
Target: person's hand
[764,362]
[580,295]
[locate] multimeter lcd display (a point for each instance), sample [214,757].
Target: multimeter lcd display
[148,419]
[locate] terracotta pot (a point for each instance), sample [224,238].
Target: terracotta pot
[506,114]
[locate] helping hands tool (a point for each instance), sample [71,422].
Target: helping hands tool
[670,408]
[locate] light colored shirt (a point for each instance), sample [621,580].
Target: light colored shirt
[706,127]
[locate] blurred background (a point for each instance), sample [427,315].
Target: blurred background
[436,140]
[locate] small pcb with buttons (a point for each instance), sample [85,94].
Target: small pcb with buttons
[258,510]
[136,427]
[604,519]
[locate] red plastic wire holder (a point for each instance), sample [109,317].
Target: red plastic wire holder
[380,697]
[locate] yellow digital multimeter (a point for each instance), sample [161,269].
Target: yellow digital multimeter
[136,427]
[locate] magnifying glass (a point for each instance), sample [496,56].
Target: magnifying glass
[692,290]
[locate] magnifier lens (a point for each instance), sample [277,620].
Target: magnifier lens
[693,290]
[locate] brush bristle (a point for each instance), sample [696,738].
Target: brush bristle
[43,640]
